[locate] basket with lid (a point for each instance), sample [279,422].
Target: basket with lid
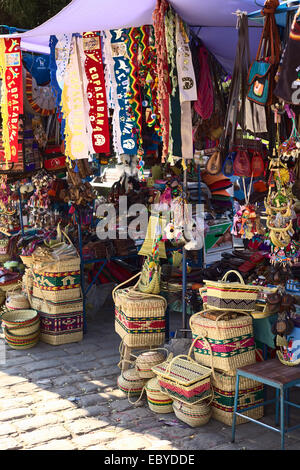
[182,378]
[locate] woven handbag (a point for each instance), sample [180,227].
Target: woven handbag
[193,415]
[223,343]
[231,295]
[250,393]
[158,401]
[140,318]
[183,379]
[149,286]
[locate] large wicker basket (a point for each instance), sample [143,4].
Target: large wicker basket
[224,343]
[193,415]
[131,383]
[139,318]
[21,322]
[250,393]
[182,378]
[145,361]
[158,401]
[54,307]
[21,341]
[231,295]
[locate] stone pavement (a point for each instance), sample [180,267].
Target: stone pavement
[66,398]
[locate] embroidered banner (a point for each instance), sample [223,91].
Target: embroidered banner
[12,95]
[120,74]
[73,107]
[59,57]
[96,93]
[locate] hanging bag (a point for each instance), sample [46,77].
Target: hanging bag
[242,164]
[262,71]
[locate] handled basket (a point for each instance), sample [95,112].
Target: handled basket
[145,361]
[184,379]
[231,295]
[250,393]
[21,322]
[139,317]
[158,401]
[228,343]
[193,415]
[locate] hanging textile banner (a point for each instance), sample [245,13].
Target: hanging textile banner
[187,87]
[12,95]
[59,58]
[73,108]
[125,138]
[121,71]
[98,113]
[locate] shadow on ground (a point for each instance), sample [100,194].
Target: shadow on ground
[66,397]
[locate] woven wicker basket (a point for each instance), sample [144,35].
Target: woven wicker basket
[21,342]
[145,361]
[139,318]
[56,295]
[182,378]
[12,285]
[53,308]
[193,415]
[63,328]
[67,278]
[225,344]
[250,393]
[57,266]
[131,383]
[21,322]
[281,344]
[231,295]
[27,260]
[17,301]
[158,401]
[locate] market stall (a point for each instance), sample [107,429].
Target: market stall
[202,219]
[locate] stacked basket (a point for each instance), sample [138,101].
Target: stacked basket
[224,340]
[139,317]
[21,328]
[54,290]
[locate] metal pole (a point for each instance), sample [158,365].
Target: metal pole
[21,212]
[184,266]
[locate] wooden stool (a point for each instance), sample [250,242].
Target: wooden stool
[274,374]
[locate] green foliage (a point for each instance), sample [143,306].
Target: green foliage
[28,14]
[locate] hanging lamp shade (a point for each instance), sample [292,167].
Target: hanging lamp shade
[147,246]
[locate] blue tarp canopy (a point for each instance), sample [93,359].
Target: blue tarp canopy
[214,22]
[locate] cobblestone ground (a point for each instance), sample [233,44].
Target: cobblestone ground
[66,397]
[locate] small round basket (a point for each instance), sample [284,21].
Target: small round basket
[193,415]
[21,322]
[17,301]
[146,361]
[131,383]
[22,341]
[158,401]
